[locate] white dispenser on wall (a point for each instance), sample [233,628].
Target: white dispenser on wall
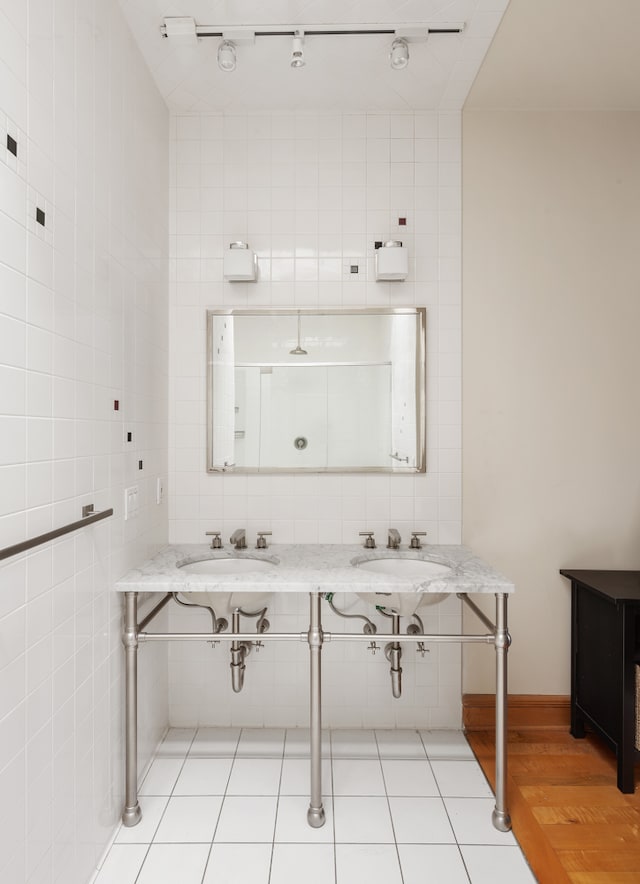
[392,261]
[240,263]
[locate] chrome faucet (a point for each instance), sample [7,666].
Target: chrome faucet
[394,539]
[239,539]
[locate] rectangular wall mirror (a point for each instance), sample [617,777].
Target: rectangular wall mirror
[327,390]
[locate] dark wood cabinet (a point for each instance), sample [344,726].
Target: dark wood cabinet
[605,650]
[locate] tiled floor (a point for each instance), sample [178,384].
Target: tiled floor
[228,806]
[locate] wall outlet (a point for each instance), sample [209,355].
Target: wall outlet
[159,490]
[130,502]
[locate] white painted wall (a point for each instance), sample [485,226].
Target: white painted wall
[551,366]
[83,322]
[311,194]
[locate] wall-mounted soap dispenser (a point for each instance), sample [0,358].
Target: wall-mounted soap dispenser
[240,263]
[392,261]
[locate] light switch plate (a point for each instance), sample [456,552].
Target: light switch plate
[130,502]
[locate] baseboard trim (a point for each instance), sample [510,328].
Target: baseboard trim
[524,711]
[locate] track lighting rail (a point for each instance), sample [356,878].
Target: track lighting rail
[407,31]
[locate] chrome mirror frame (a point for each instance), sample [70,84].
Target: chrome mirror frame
[420,367]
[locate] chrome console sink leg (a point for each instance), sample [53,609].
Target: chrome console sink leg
[500,817]
[131,814]
[315,814]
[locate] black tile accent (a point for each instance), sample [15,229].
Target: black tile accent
[354,268]
[129,437]
[139,464]
[116,405]
[402,222]
[12,145]
[40,216]
[378,244]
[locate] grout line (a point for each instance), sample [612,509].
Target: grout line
[213,837]
[386,795]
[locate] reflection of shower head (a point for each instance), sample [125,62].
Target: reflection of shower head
[298,350]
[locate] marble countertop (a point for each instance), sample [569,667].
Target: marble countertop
[313,568]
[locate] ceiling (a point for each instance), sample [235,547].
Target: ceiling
[563,54]
[342,73]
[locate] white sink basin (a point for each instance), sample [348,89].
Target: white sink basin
[409,569]
[413,570]
[227,565]
[225,602]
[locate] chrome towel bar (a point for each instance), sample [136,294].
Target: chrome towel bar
[89,516]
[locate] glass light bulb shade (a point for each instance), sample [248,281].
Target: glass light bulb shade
[399,55]
[227,56]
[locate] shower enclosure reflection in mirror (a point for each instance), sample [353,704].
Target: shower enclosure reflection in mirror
[327,390]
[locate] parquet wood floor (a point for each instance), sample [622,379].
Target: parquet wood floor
[572,822]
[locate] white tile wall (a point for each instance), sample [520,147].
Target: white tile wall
[83,321]
[311,194]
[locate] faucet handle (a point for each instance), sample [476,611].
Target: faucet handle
[370,542]
[216,543]
[261,543]
[415,539]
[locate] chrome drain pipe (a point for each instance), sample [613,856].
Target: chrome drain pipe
[240,650]
[393,653]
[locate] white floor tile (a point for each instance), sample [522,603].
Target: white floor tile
[362,821]
[317,861]
[238,863]
[190,818]
[215,742]
[497,865]
[176,743]
[373,863]
[152,810]
[122,864]
[354,744]
[292,825]
[161,776]
[388,792]
[400,744]
[251,820]
[297,743]
[471,821]
[409,777]
[170,863]
[255,776]
[420,821]
[204,776]
[357,776]
[461,779]
[443,862]
[446,744]
[261,743]
[296,777]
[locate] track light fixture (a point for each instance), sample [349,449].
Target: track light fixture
[297,51]
[227,56]
[399,55]
[184,29]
